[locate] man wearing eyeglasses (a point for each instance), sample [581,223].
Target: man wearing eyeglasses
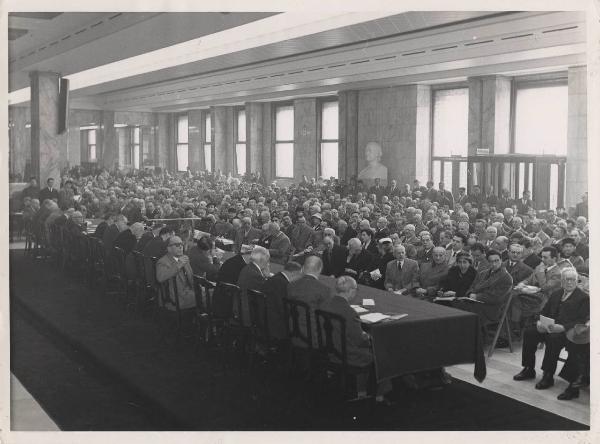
[176,264]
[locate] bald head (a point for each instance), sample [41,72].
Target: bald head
[312,265]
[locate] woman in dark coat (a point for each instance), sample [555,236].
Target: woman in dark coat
[460,276]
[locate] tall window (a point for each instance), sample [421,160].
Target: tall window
[450,122]
[284,141]
[540,120]
[329,139]
[240,142]
[91,145]
[207,141]
[135,147]
[182,143]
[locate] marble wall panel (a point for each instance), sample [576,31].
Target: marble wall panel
[195,147]
[305,135]
[577,156]
[254,137]
[19,141]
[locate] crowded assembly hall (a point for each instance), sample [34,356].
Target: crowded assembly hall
[269,221]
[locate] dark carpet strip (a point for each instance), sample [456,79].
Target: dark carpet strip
[190,391]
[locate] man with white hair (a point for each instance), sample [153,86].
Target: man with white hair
[276,242]
[252,277]
[567,307]
[401,274]
[246,234]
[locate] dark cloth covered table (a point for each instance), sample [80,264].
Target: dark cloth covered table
[430,337]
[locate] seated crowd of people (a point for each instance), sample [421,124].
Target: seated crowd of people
[470,252]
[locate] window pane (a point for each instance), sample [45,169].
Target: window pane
[240,157]
[329,160]
[329,121]
[208,157]
[136,134]
[182,157]
[136,157]
[541,116]
[91,137]
[92,153]
[207,128]
[284,123]
[553,186]
[437,171]
[451,122]
[241,126]
[182,129]
[447,179]
[284,160]
[521,179]
[462,181]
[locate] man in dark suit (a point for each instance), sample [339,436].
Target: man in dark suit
[377,189]
[157,247]
[275,289]
[301,235]
[366,237]
[445,197]
[358,343]
[525,203]
[488,291]
[393,189]
[232,267]
[567,306]
[334,257]
[49,192]
[515,266]
[403,273]
[358,260]
[462,197]
[246,234]
[310,290]
[252,277]
[277,243]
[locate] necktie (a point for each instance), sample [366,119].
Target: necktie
[399,266]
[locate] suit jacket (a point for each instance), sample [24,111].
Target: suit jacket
[523,208]
[382,267]
[47,194]
[348,234]
[431,276]
[202,265]
[519,271]
[279,248]
[392,192]
[457,282]
[548,281]
[310,290]
[231,269]
[302,236]
[125,240]
[364,261]
[166,268]
[358,344]
[251,278]
[492,289]
[334,262]
[245,237]
[424,255]
[408,278]
[575,310]
[108,239]
[275,289]
[372,248]
[451,257]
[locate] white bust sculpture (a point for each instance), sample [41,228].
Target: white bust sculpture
[375,169]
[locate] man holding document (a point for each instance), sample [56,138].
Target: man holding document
[566,307]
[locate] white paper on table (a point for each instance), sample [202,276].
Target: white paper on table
[401,291]
[445,298]
[545,321]
[395,317]
[373,317]
[368,302]
[225,241]
[359,309]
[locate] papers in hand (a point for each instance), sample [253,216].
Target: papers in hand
[375,274]
[226,241]
[372,318]
[545,321]
[368,302]
[359,309]
[454,298]
[444,298]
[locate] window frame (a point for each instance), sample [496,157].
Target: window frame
[89,145]
[434,89]
[178,144]
[320,103]
[526,82]
[236,140]
[205,143]
[276,106]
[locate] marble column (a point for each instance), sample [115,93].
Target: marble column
[223,140]
[110,145]
[268,157]
[162,140]
[48,148]
[348,134]
[305,138]
[195,149]
[19,141]
[577,158]
[489,114]
[254,137]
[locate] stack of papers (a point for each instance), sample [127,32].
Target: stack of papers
[444,298]
[372,318]
[359,309]
[368,302]
[226,241]
[545,321]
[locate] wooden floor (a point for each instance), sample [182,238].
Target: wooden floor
[503,365]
